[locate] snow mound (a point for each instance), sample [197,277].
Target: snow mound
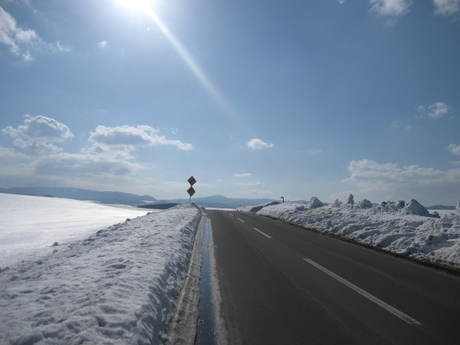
[384,226]
[118,286]
[365,204]
[414,207]
[315,202]
[351,200]
[257,208]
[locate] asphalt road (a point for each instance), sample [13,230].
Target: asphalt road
[281,284]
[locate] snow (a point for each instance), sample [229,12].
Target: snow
[29,225]
[351,200]
[117,286]
[387,226]
[365,204]
[414,207]
[315,202]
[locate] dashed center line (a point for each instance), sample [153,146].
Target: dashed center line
[242,221]
[406,318]
[262,233]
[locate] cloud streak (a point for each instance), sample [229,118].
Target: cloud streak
[454,149]
[14,37]
[446,7]
[39,134]
[243,175]
[258,144]
[433,111]
[108,155]
[389,180]
[392,8]
[21,41]
[128,138]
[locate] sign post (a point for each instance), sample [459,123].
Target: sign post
[191,190]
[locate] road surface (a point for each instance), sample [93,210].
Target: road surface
[284,285]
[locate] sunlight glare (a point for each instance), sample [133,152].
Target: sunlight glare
[144,6]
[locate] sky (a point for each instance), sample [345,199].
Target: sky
[254,98]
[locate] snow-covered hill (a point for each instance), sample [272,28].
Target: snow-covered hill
[118,286]
[393,226]
[29,225]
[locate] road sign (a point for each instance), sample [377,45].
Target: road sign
[191,191]
[191,180]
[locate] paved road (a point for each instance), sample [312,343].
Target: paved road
[284,285]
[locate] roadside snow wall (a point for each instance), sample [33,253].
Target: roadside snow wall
[435,240]
[118,286]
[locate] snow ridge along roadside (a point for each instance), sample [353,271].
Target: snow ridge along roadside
[426,239]
[182,330]
[119,285]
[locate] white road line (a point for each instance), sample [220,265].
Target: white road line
[242,221]
[406,318]
[262,233]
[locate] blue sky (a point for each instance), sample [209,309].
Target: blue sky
[254,98]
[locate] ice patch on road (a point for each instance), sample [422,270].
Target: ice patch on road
[118,286]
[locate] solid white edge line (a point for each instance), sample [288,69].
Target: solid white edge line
[262,233]
[242,221]
[406,318]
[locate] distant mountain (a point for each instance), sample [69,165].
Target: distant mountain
[83,194]
[441,207]
[218,201]
[130,199]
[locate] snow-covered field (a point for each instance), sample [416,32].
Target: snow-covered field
[29,225]
[117,286]
[392,226]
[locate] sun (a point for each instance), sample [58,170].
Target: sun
[143,6]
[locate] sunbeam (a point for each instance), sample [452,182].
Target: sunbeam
[146,8]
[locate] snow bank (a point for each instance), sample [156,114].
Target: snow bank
[118,286]
[29,225]
[315,202]
[389,226]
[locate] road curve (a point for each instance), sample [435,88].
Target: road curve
[281,284]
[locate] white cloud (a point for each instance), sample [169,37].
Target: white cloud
[15,37]
[313,151]
[446,7]
[249,184]
[75,164]
[102,44]
[8,155]
[56,47]
[389,180]
[39,134]
[433,111]
[243,175]
[454,149]
[258,144]
[392,8]
[396,124]
[20,41]
[128,138]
